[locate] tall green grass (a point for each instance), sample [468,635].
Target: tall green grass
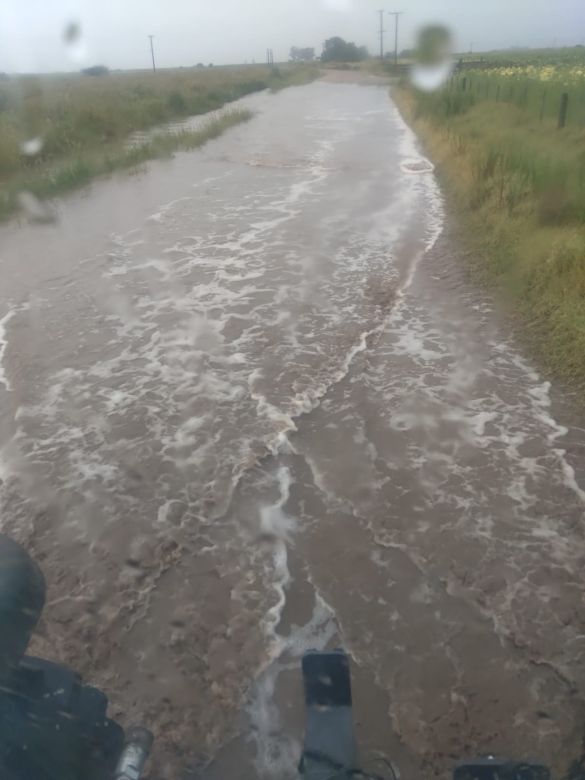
[82,121]
[77,171]
[539,99]
[528,164]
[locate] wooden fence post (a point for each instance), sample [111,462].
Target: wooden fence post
[563,110]
[464,84]
[543,105]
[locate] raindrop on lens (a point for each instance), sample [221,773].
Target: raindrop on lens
[72,33]
[73,40]
[434,60]
[31,146]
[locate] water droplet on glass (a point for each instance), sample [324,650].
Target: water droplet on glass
[76,48]
[434,62]
[72,33]
[35,210]
[31,146]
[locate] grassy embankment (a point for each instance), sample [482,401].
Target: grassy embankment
[84,122]
[518,183]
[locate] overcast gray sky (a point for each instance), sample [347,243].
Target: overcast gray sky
[228,31]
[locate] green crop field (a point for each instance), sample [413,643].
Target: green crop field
[574,55]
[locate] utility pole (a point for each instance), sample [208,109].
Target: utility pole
[381,35]
[396,15]
[152,53]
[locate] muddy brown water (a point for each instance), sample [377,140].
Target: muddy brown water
[249,405]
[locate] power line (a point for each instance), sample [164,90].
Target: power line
[382,31]
[152,53]
[396,15]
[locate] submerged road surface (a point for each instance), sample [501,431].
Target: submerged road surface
[249,406]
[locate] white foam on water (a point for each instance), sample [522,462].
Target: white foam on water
[277,752]
[307,401]
[316,634]
[172,373]
[422,191]
[540,392]
[413,343]
[498,406]
[278,527]
[569,476]
[319,478]
[3,344]
[163,211]
[417,165]
[156,264]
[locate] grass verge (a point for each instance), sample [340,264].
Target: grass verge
[78,171]
[519,187]
[78,126]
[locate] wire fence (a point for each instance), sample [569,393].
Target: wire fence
[542,100]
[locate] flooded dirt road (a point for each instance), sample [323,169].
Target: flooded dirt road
[250,406]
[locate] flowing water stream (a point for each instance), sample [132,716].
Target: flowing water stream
[250,405]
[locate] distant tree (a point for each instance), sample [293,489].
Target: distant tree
[338,50]
[210,65]
[406,54]
[302,55]
[200,65]
[96,70]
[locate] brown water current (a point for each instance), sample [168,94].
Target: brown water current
[250,405]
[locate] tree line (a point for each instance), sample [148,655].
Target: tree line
[334,50]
